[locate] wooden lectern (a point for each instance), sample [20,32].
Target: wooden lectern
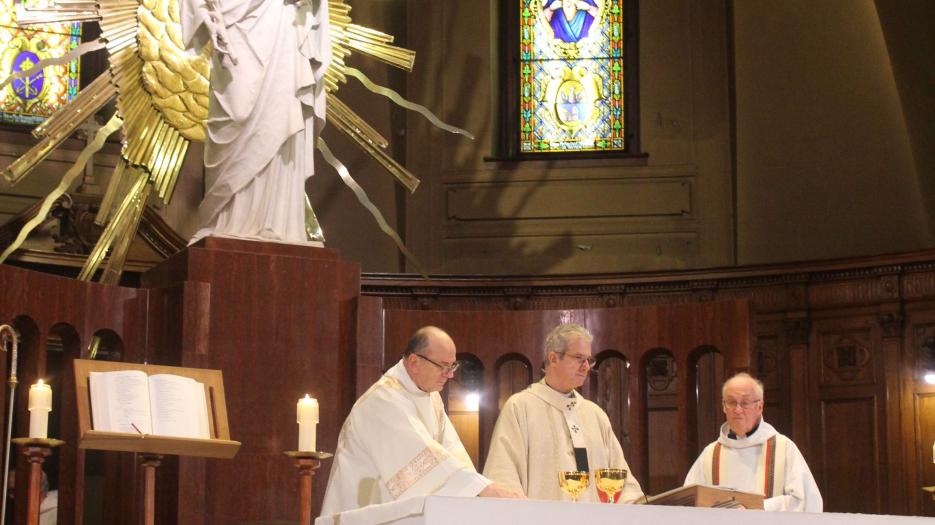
[707,496]
[152,447]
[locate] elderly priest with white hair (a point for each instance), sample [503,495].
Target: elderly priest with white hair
[751,456]
[398,443]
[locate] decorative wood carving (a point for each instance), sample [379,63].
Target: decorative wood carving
[797,330]
[767,369]
[848,359]
[661,375]
[923,345]
[892,324]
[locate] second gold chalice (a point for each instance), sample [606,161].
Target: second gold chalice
[609,483]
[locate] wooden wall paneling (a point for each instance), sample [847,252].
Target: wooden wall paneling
[851,449]
[850,454]
[924,426]
[347,296]
[918,409]
[370,344]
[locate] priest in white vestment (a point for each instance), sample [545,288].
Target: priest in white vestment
[549,427]
[398,442]
[266,109]
[751,456]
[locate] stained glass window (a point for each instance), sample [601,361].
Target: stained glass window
[571,76]
[33,98]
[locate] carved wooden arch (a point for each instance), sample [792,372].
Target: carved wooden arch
[500,368]
[703,389]
[610,388]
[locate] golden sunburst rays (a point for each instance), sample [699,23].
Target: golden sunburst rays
[62,125]
[153,148]
[345,38]
[162,100]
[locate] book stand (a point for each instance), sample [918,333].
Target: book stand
[707,496]
[306,462]
[36,449]
[152,447]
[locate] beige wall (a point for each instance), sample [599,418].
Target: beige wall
[824,163]
[478,216]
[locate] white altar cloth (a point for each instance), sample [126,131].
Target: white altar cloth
[442,510]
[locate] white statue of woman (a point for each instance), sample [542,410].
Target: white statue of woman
[266,110]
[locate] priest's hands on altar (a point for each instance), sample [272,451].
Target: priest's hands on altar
[496,490]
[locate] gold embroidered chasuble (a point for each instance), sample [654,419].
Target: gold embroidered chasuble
[534,439]
[398,443]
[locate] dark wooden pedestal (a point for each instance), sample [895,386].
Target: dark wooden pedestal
[280,322]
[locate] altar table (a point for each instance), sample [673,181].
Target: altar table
[443,510]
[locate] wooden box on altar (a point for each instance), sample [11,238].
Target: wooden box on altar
[707,496]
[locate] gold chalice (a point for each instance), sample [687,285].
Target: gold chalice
[609,483]
[573,482]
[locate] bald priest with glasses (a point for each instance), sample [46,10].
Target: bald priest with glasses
[751,456]
[398,443]
[549,428]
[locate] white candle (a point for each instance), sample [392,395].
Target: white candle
[40,404]
[306,411]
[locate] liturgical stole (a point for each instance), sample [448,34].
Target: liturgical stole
[772,453]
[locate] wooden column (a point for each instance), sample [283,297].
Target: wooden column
[149,462]
[36,457]
[891,327]
[797,328]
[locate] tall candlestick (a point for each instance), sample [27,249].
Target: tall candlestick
[40,404]
[307,416]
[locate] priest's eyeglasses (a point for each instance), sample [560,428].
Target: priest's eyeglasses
[732,404]
[446,369]
[580,359]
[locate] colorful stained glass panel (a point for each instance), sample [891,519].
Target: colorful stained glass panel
[571,76]
[33,98]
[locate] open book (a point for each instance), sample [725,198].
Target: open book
[136,403]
